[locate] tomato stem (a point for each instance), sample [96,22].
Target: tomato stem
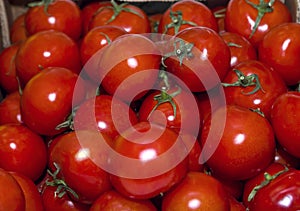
[44,3]
[258,111]
[232,44]
[177,22]
[220,13]
[69,121]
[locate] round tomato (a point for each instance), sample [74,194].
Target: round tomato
[10,109]
[18,32]
[60,15]
[240,153]
[279,49]
[254,18]
[22,151]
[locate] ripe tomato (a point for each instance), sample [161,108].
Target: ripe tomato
[240,48]
[60,15]
[33,200]
[46,101]
[254,18]
[285,158]
[279,49]
[159,161]
[127,16]
[241,153]
[254,85]
[74,155]
[8,80]
[22,151]
[112,200]
[11,194]
[51,49]
[197,191]
[285,119]
[10,109]
[18,32]
[200,58]
[184,14]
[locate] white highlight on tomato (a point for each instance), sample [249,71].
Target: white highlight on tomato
[82,154]
[194,204]
[286,201]
[13,146]
[240,138]
[148,154]
[286,44]
[52,20]
[47,54]
[102,125]
[132,62]
[52,97]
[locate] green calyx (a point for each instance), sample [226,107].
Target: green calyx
[69,123]
[245,81]
[44,3]
[177,22]
[262,8]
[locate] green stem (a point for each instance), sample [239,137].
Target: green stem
[177,22]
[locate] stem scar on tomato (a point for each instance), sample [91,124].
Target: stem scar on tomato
[262,9]
[245,81]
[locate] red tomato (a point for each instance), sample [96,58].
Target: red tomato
[11,194]
[10,109]
[60,15]
[241,153]
[18,32]
[8,80]
[155,168]
[254,85]
[285,119]
[154,21]
[51,49]
[280,49]
[240,48]
[127,16]
[235,205]
[74,154]
[184,14]
[254,18]
[96,39]
[219,13]
[22,151]
[200,58]
[197,191]
[112,200]
[33,200]
[46,101]
[285,158]
[110,115]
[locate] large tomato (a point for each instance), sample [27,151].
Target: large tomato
[254,18]
[60,15]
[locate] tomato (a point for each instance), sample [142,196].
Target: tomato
[279,49]
[253,84]
[22,151]
[18,32]
[197,191]
[200,58]
[285,120]
[235,205]
[254,18]
[110,115]
[240,153]
[46,101]
[112,200]
[10,109]
[219,13]
[240,48]
[11,194]
[51,49]
[73,154]
[96,39]
[184,14]
[149,165]
[8,80]
[285,158]
[129,66]
[60,15]
[127,16]
[33,200]
[154,21]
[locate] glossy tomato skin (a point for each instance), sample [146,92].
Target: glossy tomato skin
[210,55]
[271,84]
[74,153]
[22,151]
[132,22]
[197,191]
[165,177]
[240,48]
[241,153]
[10,109]
[240,17]
[110,113]
[285,121]
[51,49]
[112,200]
[18,32]
[11,194]
[46,101]
[192,11]
[279,49]
[60,15]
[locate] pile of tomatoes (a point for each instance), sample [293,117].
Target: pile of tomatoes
[107,107]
